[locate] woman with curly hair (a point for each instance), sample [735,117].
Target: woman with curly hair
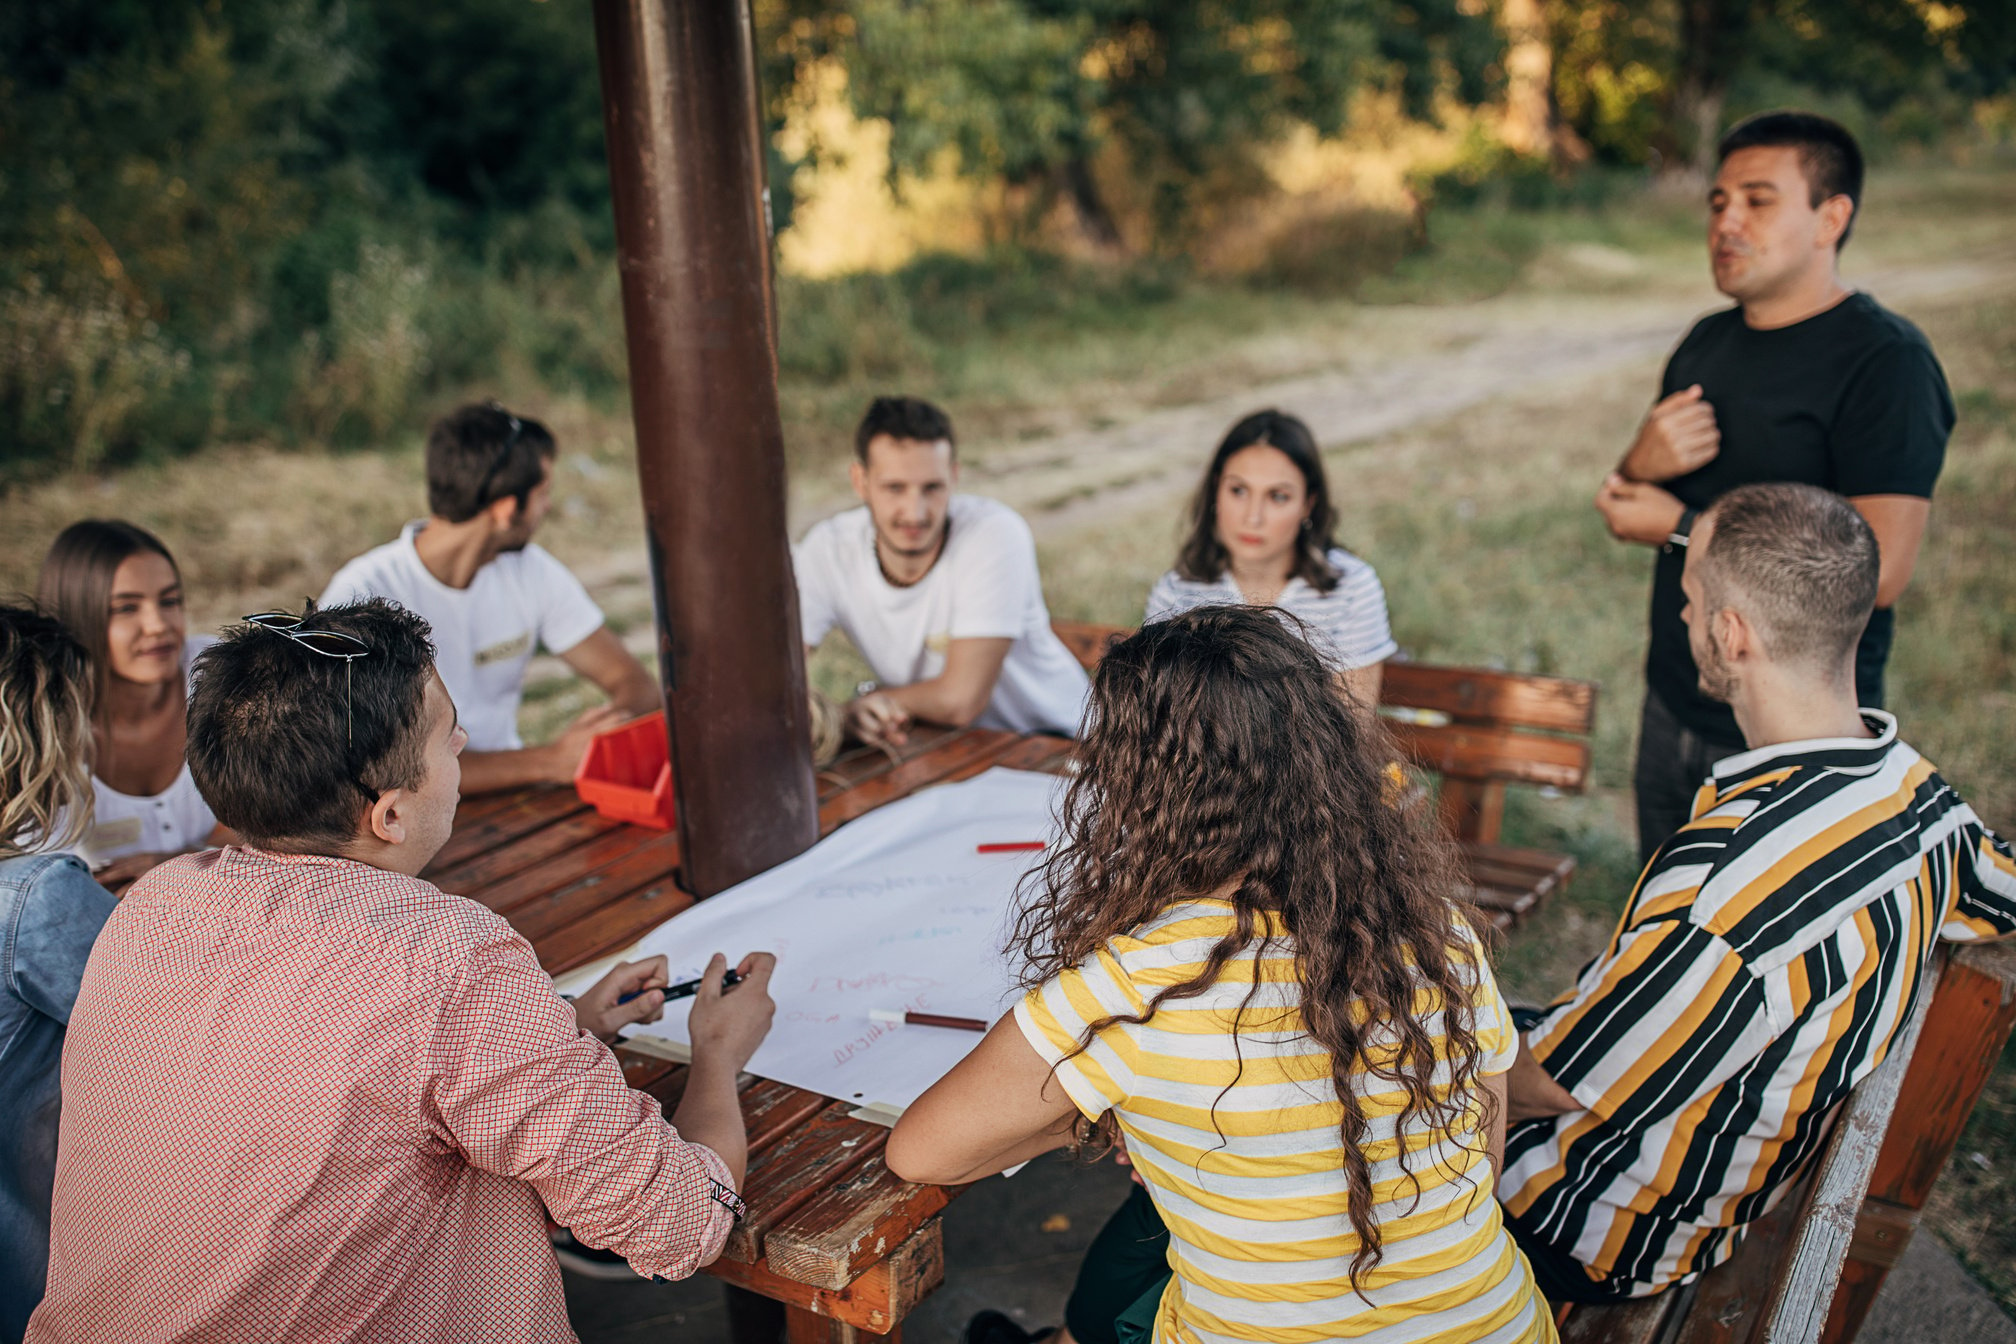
[50,914]
[1246,961]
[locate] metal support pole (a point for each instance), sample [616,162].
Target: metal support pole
[686,174]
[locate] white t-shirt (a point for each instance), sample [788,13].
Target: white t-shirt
[984,586]
[484,634]
[1347,625]
[168,822]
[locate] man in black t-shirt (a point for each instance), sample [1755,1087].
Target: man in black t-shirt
[1804,380]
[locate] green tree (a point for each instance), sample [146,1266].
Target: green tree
[1031,90]
[1640,80]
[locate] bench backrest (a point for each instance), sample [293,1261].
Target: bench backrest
[1478,729]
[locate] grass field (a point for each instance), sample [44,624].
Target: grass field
[1478,521]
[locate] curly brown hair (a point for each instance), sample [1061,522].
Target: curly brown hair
[1219,760]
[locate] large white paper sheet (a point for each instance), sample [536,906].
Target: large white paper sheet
[896,910]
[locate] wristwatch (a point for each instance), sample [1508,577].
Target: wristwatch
[1678,536]
[727,1199]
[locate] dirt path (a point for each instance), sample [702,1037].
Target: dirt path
[1459,357]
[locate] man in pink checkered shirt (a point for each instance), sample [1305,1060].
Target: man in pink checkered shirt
[308,1096]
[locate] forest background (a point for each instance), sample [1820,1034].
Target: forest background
[247,250]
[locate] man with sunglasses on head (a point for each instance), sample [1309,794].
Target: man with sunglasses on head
[308,1095]
[472,571]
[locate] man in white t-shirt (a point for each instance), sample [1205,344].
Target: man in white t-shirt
[939,591]
[470,570]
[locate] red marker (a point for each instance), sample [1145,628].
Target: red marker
[928,1020]
[1011,847]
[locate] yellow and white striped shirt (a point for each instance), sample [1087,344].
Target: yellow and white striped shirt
[1232,1119]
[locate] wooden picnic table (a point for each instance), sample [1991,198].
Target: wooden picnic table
[831,1234]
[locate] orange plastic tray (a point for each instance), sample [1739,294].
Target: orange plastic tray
[626,774]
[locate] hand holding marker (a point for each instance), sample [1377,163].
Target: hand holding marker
[686,989]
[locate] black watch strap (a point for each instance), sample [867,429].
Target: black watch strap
[1681,530]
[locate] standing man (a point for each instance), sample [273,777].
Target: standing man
[938,591]
[1803,380]
[471,570]
[307,1095]
[1775,943]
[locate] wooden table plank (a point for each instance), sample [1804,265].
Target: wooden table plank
[611,928]
[793,1171]
[515,856]
[976,748]
[877,1301]
[846,1227]
[516,814]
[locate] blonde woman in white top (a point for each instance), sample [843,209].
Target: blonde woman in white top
[117,590]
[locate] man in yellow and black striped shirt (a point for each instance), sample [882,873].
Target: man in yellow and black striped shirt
[1773,945]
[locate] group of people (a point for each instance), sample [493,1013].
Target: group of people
[305,1094]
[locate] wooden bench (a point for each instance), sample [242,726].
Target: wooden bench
[1477,731]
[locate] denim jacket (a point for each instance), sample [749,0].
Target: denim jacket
[50,913]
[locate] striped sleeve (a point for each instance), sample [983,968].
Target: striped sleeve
[1054,1016]
[1984,900]
[1497,1039]
[1165,599]
[1670,1013]
[1353,615]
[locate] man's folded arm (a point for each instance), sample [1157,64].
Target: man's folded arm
[1668,1015]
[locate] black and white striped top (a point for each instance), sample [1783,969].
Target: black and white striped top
[1349,622]
[1766,960]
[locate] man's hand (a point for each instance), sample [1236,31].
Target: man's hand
[127,867]
[876,718]
[1635,511]
[726,1027]
[1531,1092]
[600,1015]
[1679,435]
[564,753]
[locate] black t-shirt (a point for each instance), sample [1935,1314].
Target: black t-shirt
[1852,400]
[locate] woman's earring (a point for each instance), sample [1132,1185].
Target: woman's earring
[1305,524]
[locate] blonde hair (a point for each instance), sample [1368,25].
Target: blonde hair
[45,734]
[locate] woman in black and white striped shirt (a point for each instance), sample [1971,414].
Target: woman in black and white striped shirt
[1261,534]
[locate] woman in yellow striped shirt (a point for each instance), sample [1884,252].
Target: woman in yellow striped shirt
[1245,960]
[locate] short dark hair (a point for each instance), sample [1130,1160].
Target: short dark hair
[1800,564]
[1828,155]
[1203,558]
[902,418]
[482,453]
[288,746]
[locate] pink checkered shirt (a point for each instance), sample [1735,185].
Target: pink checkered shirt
[305,1099]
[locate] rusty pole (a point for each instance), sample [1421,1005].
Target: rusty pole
[686,174]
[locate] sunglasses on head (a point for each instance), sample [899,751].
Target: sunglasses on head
[327,644]
[502,455]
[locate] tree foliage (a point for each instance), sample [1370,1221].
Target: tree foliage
[1030,91]
[1654,79]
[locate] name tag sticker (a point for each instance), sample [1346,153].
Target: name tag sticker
[114,834]
[938,643]
[505,650]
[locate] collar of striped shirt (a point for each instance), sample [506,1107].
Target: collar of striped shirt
[1834,753]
